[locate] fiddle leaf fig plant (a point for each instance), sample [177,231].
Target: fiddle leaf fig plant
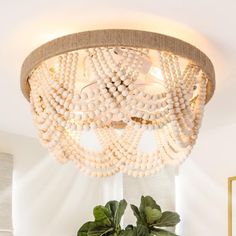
[150,220]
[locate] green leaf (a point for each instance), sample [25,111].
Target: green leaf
[102,214]
[130,227]
[168,219]
[120,212]
[137,214]
[130,230]
[148,202]
[117,210]
[152,215]
[99,229]
[162,232]
[142,230]
[112,206]
[129,233]
[83,231]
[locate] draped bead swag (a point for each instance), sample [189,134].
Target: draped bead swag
[106,89]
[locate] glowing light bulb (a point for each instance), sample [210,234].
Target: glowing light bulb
[156,72]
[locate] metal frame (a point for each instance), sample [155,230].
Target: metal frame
[230,205]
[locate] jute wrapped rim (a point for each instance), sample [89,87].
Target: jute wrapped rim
[116,37]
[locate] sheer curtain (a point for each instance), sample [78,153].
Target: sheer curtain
[6,168]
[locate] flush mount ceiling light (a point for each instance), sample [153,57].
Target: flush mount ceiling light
[107,81]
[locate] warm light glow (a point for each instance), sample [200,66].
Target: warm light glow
[156,72]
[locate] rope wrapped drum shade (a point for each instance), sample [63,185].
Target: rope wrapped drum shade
[108,79]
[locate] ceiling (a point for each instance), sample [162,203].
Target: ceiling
[25,24]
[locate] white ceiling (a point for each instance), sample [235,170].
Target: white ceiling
[25,24]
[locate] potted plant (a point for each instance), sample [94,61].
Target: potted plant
[151,221]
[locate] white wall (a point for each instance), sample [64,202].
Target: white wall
[202,183]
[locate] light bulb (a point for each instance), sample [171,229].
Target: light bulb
[156,72]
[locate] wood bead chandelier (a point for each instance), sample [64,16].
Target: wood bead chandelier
[119,84]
